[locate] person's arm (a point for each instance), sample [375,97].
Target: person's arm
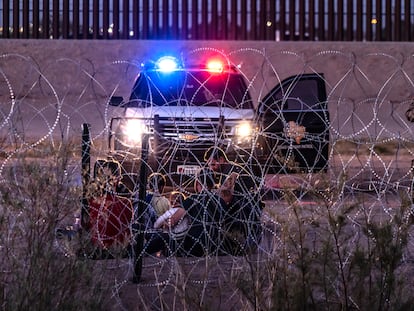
[170,218]
[176,217]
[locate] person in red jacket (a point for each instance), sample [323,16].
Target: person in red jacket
[110,215]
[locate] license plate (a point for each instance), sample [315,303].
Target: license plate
[187,169]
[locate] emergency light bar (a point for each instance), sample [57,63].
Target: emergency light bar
[168,64]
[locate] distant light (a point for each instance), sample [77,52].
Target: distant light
[374,21]
[131,33]
[269,23]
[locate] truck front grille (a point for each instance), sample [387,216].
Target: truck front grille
[191,130]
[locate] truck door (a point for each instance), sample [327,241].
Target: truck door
[294,126]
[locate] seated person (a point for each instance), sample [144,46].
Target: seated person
[204,210]
[242,224]
[156,203]
[110,215]
[174,219]
[155,196]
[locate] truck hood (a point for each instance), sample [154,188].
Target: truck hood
[190,112]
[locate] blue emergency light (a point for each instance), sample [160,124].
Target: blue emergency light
[167,64]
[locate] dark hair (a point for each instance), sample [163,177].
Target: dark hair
[156,182]
[206,177]
[215,153]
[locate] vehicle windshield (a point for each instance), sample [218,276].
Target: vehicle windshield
[195,88]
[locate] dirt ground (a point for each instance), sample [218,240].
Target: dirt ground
[178,283]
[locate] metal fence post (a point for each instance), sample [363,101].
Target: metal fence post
[86,173]
[142,193]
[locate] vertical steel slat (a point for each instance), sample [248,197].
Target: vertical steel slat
[145,19]
[321,20]
[282,20]
[378,25]
[105,19]
[388,21]
[194,20]
[331,21]
[262,20]
[311,15]
[253,20]
[125,19]
[243,24]
[95,19]
[135,18]
[340,20]
[6,19]
[204,20]
[25,33]
[350,20]
[165,19]
[368,34]
[359,24]
[65,19]
[213,33]
[185,32]
[292,19]
[270,29]
[45,20]
[407,20]
[175,13]
[301,20]
[75,17]
[155,19]
[116,21]
[85,19]
[36,21]
[224,25]
[233,20]
[55,19]
[397,17]
[16,22]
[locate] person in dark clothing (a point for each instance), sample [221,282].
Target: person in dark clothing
[217,160]
[242,224]
[205,213]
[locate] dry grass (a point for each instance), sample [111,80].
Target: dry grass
[319,246]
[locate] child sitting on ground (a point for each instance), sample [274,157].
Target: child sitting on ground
[174,219]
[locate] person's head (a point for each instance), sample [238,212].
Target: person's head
[156,182]
[204,180]
[215,157]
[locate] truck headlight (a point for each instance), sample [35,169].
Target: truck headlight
[244,130]
[132,131]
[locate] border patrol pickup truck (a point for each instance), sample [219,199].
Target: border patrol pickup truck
[186,108]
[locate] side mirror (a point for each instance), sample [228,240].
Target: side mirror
[116,101]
